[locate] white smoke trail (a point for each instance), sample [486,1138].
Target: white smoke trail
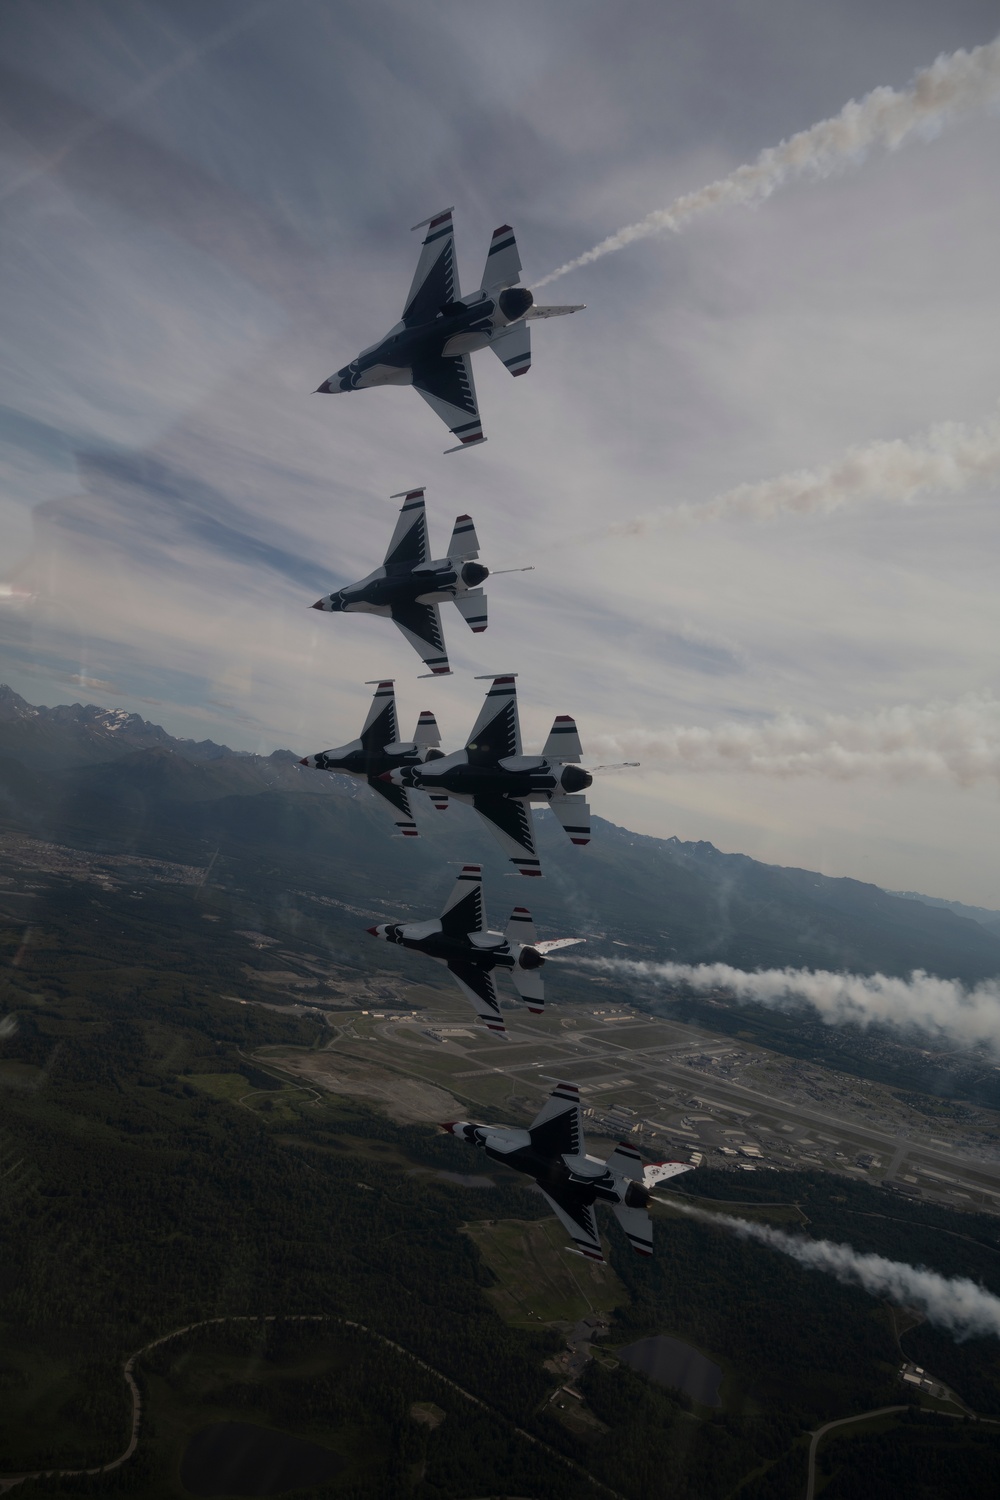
[952,88]
[942,1008]
[957,741]
[955,1304]
[949,458]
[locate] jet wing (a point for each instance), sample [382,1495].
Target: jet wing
[580,1220]
[409,540]
[557,1129]
[435,280]
[447,386]
[380,726]
[402,816]
[477,985]
[512,348]
[421,624]
[496,734]
[510,823]
[464,911]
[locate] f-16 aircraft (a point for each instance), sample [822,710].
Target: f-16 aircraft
[552,1151]
[460,939]
[379,750]
[430,347]
[500,782]
[409,587]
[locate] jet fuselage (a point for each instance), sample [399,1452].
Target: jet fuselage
[393,585]
[355,760]
[459,328]
[583,1177]
[481,950]
[464,775]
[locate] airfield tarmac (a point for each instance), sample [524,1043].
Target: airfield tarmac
[679,1092]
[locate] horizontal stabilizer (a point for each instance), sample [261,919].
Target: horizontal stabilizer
[427,734]
[520,928]
[554,312]
[659,1171]
[512,347]
[637,1225]
[503,264]
[472,608]
[563,742]
[626,1161]
[574,815]
[551,944]
[531,987]
[464,542]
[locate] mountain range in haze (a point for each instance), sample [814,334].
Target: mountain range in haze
[104,779]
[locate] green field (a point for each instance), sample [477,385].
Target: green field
[540,1280]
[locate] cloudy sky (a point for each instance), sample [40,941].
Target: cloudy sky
[205,211]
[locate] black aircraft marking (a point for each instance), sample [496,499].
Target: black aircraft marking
[412,548]
[479,981]
[509,816]
[498,738]
[466,915]
[448,380]
[422,621]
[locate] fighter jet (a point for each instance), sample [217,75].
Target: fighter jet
[552,1151]
[379,749]
[409,588]
[492,774]
[461,939]
[430,347]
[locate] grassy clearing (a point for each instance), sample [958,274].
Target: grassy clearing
[540,1280]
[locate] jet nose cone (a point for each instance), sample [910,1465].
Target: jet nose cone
[304,761]
[372,931]
[320,604]
[449,1126]
[386,776]
[323,390]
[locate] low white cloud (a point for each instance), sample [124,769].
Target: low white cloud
[955,741]
[955,1304]
[949,458]
[952,88]
[941,1008]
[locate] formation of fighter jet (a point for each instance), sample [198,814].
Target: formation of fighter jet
[379,750]
[461,939]
[430,347]
[500,782]
[552,1151]
[410,587]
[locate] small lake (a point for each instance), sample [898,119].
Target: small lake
[237,1458]
[672,1362]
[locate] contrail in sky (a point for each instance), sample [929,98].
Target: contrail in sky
[952,88]
[957,741]
[955,1304]
[948,458]
[942,1008]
